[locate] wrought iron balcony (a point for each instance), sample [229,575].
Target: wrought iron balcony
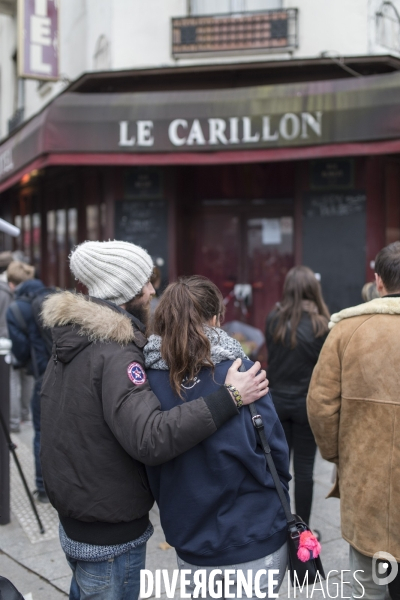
[269,31]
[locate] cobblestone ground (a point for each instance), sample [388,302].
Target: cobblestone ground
[36,563]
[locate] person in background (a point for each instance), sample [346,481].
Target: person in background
[369,291]
[354,408]
[6,294]
[28,346]
[221,489]
[156,280]
[21,383]
[295,332]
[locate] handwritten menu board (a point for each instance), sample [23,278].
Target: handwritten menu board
[334,242]
[144,222]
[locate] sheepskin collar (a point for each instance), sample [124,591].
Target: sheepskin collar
[97,321]
[378,306]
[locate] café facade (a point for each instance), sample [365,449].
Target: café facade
[238,183]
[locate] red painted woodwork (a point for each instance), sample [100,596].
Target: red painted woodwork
[208,158]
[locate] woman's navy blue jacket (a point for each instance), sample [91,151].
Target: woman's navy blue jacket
[218,503]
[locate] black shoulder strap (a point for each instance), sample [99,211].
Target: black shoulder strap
[259,427]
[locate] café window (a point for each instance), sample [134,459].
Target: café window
[388,26]
[27,235]
[214,7]
[51,248]
[36,235]
[62,254]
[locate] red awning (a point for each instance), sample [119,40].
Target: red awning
[268,123]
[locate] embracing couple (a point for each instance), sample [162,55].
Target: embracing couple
[127,419]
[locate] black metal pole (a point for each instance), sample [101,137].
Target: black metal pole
[12,447]
[4,451]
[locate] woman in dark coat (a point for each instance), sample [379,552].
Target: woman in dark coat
[295,332]
[218,502]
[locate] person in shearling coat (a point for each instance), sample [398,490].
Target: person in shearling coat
[354,411]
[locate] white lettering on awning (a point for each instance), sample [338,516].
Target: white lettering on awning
[6,162]
[173,132]
[229,131]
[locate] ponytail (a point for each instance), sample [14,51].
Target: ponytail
[179,319]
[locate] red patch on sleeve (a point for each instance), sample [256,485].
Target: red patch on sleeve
[136,374]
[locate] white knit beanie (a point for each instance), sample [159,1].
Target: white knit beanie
[115,271]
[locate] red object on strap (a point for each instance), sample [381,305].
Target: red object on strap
[309,546]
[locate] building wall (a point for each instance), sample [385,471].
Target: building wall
[143,39]
[124,34]
[7,71]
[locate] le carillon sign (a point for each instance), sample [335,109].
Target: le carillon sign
[302,114]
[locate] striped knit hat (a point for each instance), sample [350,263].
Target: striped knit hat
[115,271]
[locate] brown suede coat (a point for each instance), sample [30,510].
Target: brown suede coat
[354,411]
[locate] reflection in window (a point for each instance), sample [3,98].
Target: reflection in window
[72,239]
[92,222]
[72,228]
[51,248]
[388,27]
[214,7]
[61,230]
[36,231]
[27,237]
[18,239]
[103,217]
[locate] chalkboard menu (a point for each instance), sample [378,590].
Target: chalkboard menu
[334,241]
[144,222]
[332,173]
[143,182]
[334,204]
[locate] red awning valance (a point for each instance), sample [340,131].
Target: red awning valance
[282,122]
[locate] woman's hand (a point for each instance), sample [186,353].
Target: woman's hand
[251,386]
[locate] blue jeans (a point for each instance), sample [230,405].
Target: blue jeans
[35,407]
[114,579]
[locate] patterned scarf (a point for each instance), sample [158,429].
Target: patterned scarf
[223,347]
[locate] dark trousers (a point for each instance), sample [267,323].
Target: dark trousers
[394,587]
[35,406]
[292,414]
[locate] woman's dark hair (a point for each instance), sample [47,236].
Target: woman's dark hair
[179,319]
[387,266]
[300,285]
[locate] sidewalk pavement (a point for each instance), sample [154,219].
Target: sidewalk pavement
[36,565]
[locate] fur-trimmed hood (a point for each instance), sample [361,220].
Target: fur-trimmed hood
[98,322]
[378,306]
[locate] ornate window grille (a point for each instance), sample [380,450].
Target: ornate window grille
[388,26]
[269,31]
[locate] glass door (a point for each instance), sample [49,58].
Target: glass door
[246,251]
[269,256]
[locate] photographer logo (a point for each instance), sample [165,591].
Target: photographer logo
[384,568]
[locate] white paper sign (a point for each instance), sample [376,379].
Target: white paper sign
[271,231]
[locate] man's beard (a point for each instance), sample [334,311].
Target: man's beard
[136,308]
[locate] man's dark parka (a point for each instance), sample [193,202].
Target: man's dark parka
[99,427]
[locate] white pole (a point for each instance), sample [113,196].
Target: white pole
[8,228]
